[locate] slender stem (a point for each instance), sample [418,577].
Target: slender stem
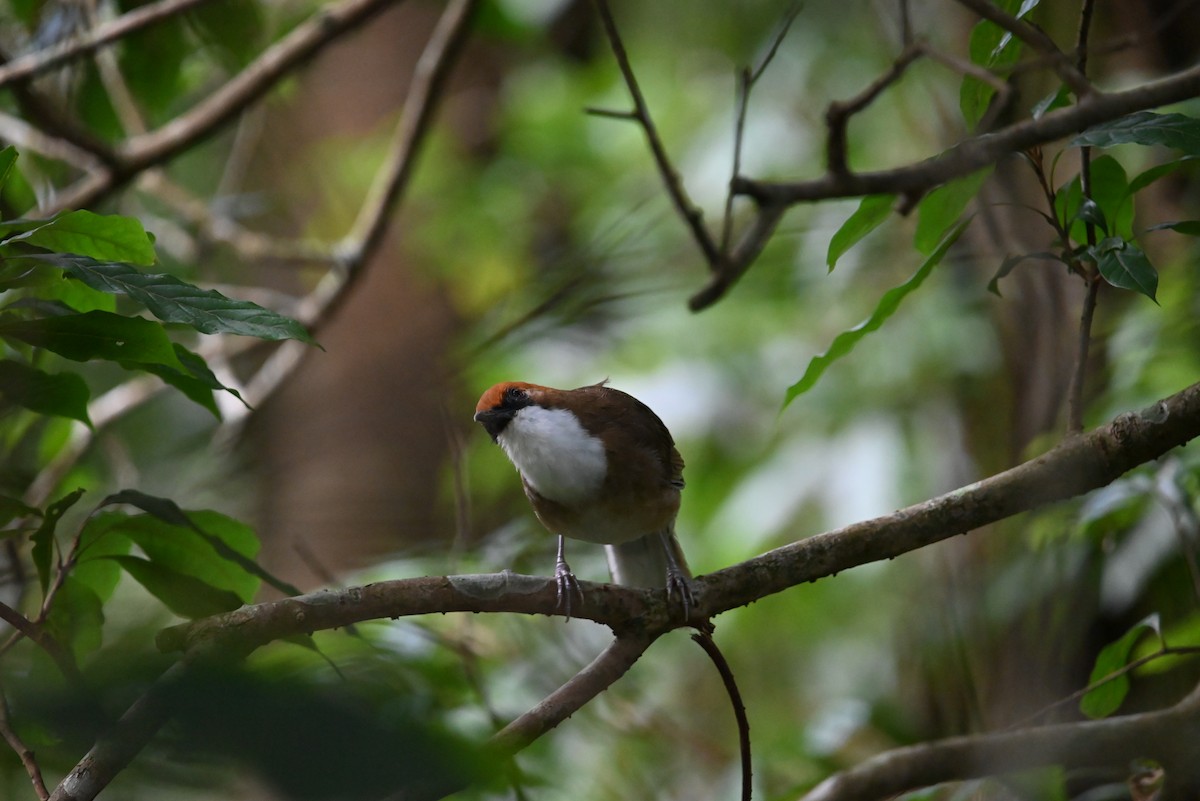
[705,640]
[23,752]
[683,204]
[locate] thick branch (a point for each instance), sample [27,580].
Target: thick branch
[980,151]
[1076,466]
[1168,736]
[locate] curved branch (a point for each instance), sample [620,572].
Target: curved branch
[977,152]
[158,146]
[1167,736]
[612,663]
[1080,464]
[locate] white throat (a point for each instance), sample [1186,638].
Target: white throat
[554,454]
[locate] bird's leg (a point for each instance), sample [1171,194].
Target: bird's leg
[677,576]
[565,579]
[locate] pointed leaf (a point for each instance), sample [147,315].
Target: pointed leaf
[43,538]
[12,508]
[1124,265]
[1010,263]
[1055,100]
[174,301]
[1185,227]
[872,211]
[844,342]
[97,541]
[1145,128]
[76,618]
[195,380]
[940,210]
[1107,698]
[1090,212]
[62,394]
[1149,176]
[184,595]
[95,335]
[232,544]
[8,157]
[101,237]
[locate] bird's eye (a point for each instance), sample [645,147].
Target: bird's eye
[516,395]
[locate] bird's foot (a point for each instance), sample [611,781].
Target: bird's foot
[568,585]
[678,584]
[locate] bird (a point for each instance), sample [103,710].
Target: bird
[597,465]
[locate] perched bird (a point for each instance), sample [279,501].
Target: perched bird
[599,466]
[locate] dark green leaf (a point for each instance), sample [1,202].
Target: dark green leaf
[96,335]
[1052,101]
[12,508]
[62,394]
[183,594]
[1110,191]
[8,157]
[195,381]
[872,211]
[1107,698]
[208,545]
[993,48]
[1010,263]
[101,237]
[1185,227]
[97,541]
[941,209]
[1145,128]
[43,538]
[235,29]
[76,618]
[1124,265]
[174,301]
[1149,176]
[844,342]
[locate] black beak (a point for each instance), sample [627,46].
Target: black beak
[494,420]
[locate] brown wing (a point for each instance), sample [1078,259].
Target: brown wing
[633,428]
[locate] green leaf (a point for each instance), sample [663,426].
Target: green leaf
[1110,191]
[1090,212]
[101,237]
[97,541]
[223,548]
[174,301]
[1010,263]
[1145,128]
[940,210]
[43,539]
[12,508]
[872,211]
[183,594]
[844,342]
[1124,265]
[62,394]
[195,380]
[95,335]
[1055,100]
[76,618]
[8,157]
[1185,227]
[1107,698]
[993,48]
[1149,176]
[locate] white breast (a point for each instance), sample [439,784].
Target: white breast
[553,452]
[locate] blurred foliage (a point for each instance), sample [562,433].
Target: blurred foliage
[565,263]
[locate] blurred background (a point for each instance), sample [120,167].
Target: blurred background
[536,243]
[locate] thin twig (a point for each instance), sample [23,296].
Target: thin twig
[839,112]
[23,752]
[747,78]
[705,641]
[162,144]
[37,62]
[683,204]
[1075,401]
[1038,40]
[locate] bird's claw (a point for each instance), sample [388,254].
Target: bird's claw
[678,584]
[568,585]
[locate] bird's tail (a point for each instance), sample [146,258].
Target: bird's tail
[643,562]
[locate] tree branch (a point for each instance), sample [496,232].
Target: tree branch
[683,204]
[1167,735]
[138,153]
[979,151]
[38,62]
